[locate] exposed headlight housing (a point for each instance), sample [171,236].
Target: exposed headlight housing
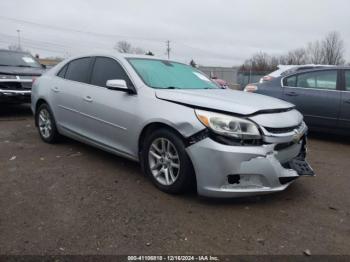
[229,126]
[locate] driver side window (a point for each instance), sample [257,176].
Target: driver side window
[107,69]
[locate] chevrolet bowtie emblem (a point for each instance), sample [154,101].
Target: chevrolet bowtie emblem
[296,136]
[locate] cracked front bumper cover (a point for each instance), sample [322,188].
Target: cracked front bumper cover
[260,168]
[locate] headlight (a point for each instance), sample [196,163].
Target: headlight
[251,88]
[228,126]
[7,76]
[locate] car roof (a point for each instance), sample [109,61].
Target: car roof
[286,69]
[118,55]
[112,54]
[316,69]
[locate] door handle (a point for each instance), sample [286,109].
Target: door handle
[291,94]
[347,101]
[55,89]
[88,99]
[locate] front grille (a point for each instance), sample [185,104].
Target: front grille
[16,85]
[282,130]
[282,146]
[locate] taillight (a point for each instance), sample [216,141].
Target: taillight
[267,78]
[250,88]
[33,80]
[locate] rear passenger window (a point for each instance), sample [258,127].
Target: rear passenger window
[290,81]
[63,71]
[107,69]
[347,80]
[78,70]
[319,80]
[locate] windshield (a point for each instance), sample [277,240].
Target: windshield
[8,58]
[170,75]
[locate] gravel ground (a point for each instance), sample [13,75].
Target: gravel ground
[73,199]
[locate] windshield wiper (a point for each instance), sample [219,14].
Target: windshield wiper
[23,66]
[174,87]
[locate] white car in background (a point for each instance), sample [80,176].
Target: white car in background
[287,69]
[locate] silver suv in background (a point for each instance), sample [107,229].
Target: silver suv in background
[176,122]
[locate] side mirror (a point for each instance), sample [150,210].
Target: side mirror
[43,66]
[117,84]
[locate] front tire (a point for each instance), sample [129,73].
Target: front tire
[165,161]
[46,124]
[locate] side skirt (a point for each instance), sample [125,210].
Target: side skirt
[76,136]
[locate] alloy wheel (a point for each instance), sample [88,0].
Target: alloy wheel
[45,124]
[164,161]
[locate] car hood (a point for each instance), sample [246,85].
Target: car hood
[24,71]
[225,100]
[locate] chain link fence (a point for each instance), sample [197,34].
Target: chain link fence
[235,79]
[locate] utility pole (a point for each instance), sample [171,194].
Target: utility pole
[250,70]
[168,49]
[19,39]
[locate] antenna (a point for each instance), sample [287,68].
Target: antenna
[168,49]
[19,39]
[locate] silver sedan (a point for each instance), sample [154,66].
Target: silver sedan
[181,127]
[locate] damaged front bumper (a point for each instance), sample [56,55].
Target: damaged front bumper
[236,171]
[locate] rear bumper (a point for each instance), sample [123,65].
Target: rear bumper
[237,171]
[15,96]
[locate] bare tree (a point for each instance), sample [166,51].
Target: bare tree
[138,50]
[259,62]
[14,47]
[123,47]
[274,61]
[126,47]
[315,53]
[333,49]
[295,57]
[328,51]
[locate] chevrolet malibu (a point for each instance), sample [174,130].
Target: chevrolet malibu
[176,122]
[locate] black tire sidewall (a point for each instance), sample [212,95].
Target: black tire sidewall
[185,179]
[54,134]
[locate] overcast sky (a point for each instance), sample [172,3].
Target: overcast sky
[212,32]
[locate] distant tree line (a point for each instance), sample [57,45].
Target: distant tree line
[329,51]
[126,47]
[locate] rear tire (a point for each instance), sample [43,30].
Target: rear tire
[165,161]
[46,124]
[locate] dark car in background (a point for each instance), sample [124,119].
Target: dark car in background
[322,95]
[18,70]
[283,70]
